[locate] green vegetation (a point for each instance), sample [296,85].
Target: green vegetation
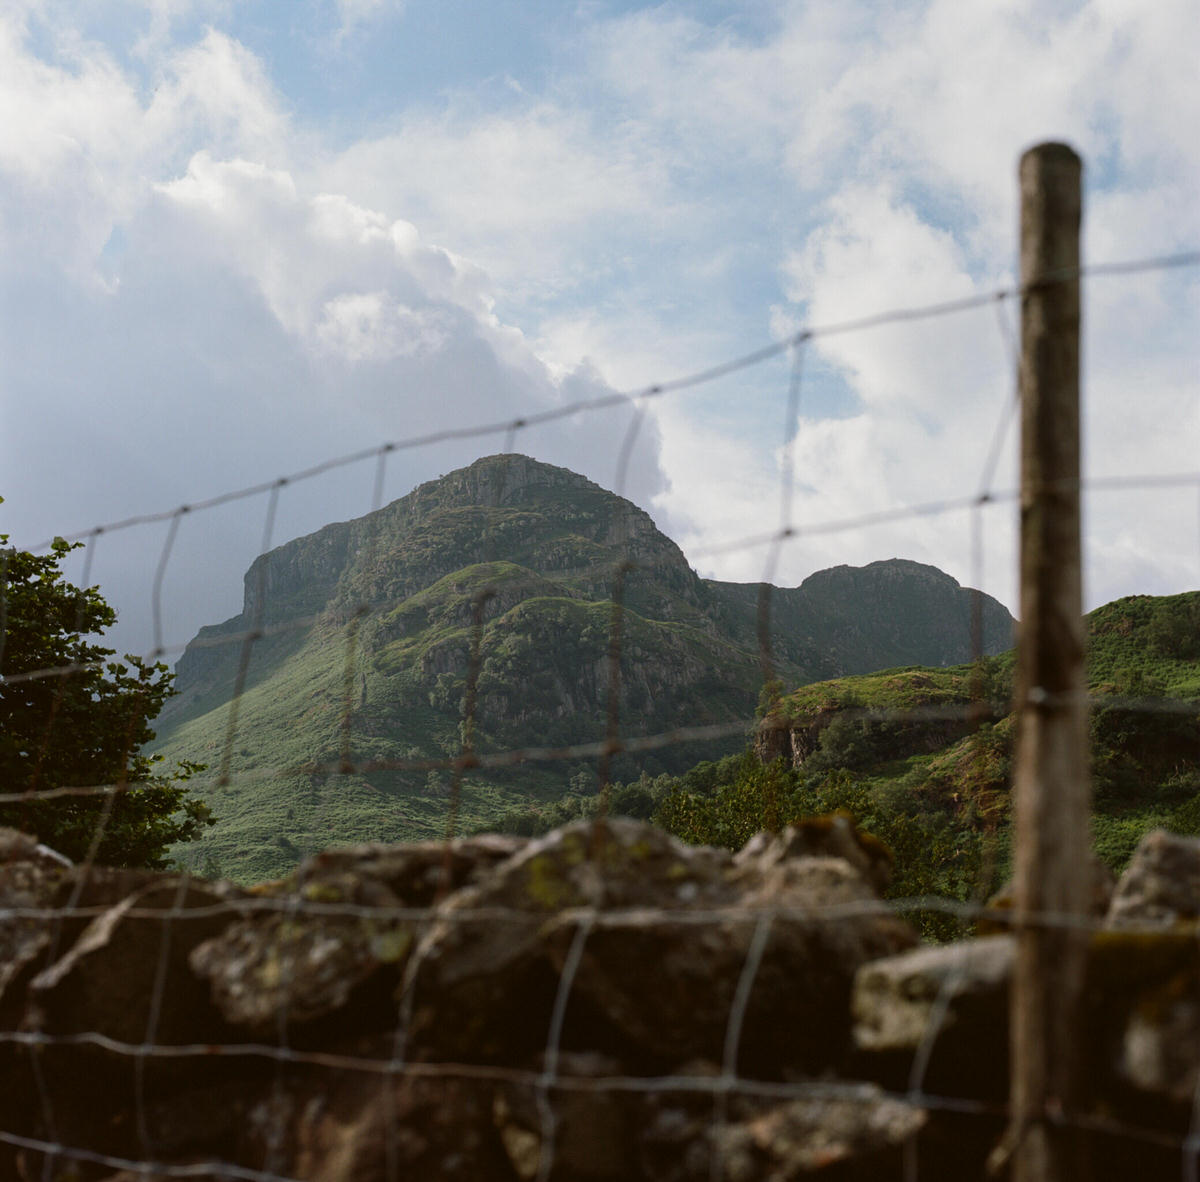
[934,786]
[367,633]
[82,727]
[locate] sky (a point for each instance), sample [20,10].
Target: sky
[238,239]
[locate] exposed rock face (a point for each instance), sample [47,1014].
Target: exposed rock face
[603,1003]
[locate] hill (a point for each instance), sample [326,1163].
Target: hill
[366,632]
[922,756]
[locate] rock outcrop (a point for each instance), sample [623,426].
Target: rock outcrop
[603,1003]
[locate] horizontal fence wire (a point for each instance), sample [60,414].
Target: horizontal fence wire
[654,390]
[552,1080]
[964,712]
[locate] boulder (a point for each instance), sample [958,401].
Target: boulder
[333,940]
[656,935]
[29,876]
[1160,1046]
[860,1135]
[1161,885]
[963,988]
[834,836]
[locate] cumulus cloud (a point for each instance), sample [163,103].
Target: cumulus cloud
[251,325]
[202,289]
[899,130]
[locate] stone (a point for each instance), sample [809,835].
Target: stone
[829,836]
[399,1019]
[134,951]
[29,877]
[860,1135]
[304,959]
[683,918]
[1160,1048]
[963,987]
[895,998]
[1161,885]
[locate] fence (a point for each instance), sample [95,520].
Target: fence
[1051,921]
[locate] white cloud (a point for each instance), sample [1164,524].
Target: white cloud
[241,297]
[523,193]
[370,326]
[254,323]
[899,129]
[353,16]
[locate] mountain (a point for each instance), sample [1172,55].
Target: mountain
[936,788]
[365,637]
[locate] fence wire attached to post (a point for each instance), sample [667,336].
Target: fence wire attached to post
[1044,1121]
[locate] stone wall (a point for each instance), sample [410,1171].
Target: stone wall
[603,1003]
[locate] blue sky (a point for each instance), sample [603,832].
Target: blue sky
[240,238]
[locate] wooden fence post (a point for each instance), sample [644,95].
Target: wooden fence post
[1052,785]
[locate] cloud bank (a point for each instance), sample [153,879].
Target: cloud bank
[204,288]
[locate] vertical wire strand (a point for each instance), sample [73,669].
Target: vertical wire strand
[787,481]
[359,612]
[549,1076]
[733,1037]
[159,574]
[399,1057]
[467,756]
[60,691]
[616,636]
[154,1015]
[40,1083]
[954,979]
[253,634]
[137,708]
[772,689]
[5,553]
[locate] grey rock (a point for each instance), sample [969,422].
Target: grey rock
[829,836]
[895,999]
[683,916]
[1161,885]
[341,926]
[136,951]
[1160,1049]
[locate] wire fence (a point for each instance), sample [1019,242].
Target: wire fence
[30,1037]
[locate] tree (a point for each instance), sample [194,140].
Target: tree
[72,717]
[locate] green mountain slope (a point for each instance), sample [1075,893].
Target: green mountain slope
[365,639]
[934,784]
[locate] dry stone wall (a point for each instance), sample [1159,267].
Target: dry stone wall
[602,1003]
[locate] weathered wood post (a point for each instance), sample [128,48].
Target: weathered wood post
[1052,785]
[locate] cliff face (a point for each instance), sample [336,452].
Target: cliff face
[513,512]
[849,619]
[367,629]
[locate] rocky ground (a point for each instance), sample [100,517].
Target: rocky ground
[602,1003]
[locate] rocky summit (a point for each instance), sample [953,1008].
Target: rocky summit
[600,1003]
[364,633]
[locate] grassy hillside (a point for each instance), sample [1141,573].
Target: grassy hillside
[365,633]
[922,757]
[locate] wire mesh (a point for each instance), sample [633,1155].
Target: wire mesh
[549,1082]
